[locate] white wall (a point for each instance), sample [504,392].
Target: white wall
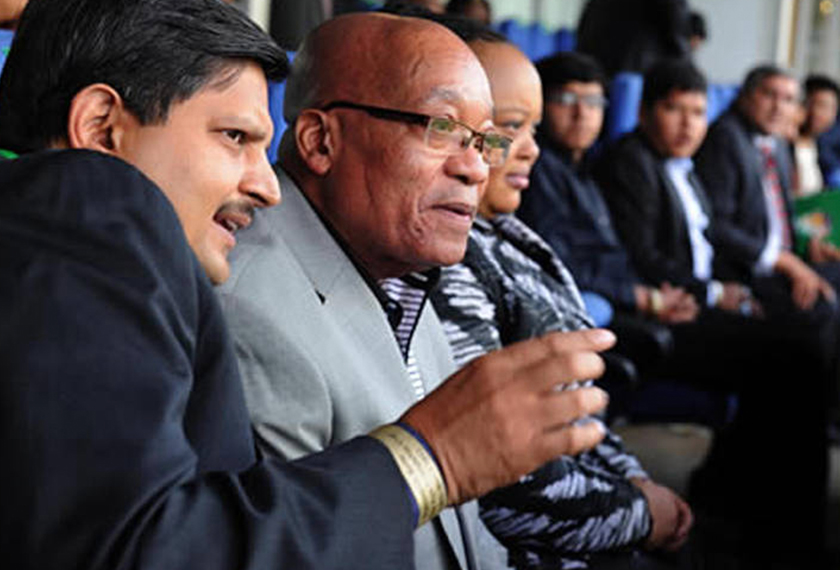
[742,33]
[550,13]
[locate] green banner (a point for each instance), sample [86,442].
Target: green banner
[818,215]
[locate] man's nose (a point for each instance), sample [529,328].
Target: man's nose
[260,183]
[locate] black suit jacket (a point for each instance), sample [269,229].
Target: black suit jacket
[730,167]
[648,214]
[124,435]
[639,32]
[565,207]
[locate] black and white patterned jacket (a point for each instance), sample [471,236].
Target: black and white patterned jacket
[510,287]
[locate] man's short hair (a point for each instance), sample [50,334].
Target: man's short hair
[816,82]
[562,68]
[697,26]
[461,6]
[154,53]
[756,76]
[671,75]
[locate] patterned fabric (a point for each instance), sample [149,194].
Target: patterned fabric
[409,294]
[511,287]
[774,192]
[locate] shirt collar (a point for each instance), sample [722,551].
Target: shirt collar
[682,165]
[764,141]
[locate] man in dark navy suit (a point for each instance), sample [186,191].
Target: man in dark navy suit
[665,220]
[125,438]
[745,167]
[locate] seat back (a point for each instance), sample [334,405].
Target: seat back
[276,93]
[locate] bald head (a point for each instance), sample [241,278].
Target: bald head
[377,59]
[399,202]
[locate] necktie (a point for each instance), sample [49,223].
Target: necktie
[774,189]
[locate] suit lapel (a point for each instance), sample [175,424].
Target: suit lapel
[352,305]
[343,291]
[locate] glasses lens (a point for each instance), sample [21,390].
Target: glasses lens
[495,148]
[569,98]
[446,134]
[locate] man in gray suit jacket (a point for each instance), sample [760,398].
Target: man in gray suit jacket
[327,297]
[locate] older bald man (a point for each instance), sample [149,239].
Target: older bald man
[381,170]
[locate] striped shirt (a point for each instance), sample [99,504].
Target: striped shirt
[409,293]
[512,287]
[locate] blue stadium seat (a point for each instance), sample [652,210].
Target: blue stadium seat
[564,40]
[625,93]
[598,307]
[517,34]
[534,40]
[276,91]
[5,42]
[543,44]
[720,98]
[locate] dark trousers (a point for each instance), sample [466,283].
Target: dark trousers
[767,470]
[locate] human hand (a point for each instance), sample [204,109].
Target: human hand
[505,414]
[821,252]
[10,10]
[733,295]
[806,284]
[671,517]
[678,306]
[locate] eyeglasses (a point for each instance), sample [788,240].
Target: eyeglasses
[442,133]
[569,98]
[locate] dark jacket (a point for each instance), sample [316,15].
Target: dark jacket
[124,434]
[564,205]
[648,215]
[730,167]
[640,32]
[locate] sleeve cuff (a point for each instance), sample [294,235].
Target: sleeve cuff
[419,468]
[768,258]
[714,292]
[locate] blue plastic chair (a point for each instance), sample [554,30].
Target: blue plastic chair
[598,307]
[6,37]
[565,40]
[518,35]
[720,97]
[276,92]
[625,97]
[543,43]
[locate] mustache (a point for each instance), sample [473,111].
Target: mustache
[239,207]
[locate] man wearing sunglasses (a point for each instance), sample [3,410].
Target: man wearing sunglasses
[382,167]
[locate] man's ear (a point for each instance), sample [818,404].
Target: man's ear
[315,141]
[96,119]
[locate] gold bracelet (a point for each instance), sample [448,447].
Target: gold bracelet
[419,469]
[656,304]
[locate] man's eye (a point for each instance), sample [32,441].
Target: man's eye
[235,135]
[512,127]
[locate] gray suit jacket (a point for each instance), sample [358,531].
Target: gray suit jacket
[319,360]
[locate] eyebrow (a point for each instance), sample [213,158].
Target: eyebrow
[451,96]
[253,127]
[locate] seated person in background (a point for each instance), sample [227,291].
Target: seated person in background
[656,202]
[478,10]
[564,204]
[662,214]
[746,171]
[698,31]
[124,430]
[510,286]
[817,115]
[381,170]
[631,35]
